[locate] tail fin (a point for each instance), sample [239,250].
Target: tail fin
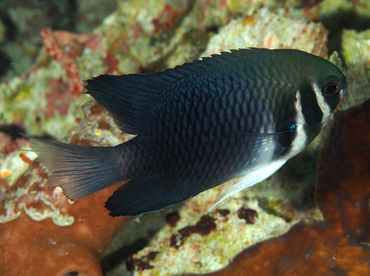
[79,170]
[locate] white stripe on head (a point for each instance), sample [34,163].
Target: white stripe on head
[325,108]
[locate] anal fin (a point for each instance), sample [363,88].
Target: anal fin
[142,195]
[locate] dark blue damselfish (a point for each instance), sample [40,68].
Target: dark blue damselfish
[199,125]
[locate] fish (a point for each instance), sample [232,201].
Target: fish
[238,114]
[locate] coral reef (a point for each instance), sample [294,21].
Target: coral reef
[55,52]
[330,7]
[46,99]
[339,244]
[269,30]
[142,38]
[39,223]
[21,22]
[356,56]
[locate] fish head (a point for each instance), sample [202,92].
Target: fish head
[312,88]
[329,85]
[321,87]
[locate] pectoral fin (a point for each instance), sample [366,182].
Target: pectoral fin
[252,178]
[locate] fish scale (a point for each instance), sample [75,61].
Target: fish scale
[238,114]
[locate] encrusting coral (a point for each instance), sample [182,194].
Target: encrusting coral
[43,233]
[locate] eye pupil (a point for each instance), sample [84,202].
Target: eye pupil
[330,89]
[291,128]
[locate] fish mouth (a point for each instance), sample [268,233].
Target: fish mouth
[344,89]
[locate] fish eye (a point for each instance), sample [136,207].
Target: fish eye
[330,89]
[291,128]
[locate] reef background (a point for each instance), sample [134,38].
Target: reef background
[310,218]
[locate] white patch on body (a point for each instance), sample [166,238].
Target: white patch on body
[300,141]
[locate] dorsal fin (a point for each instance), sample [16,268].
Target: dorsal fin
[128,98]
[123,96]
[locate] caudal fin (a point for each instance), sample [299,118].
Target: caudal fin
[79,170]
